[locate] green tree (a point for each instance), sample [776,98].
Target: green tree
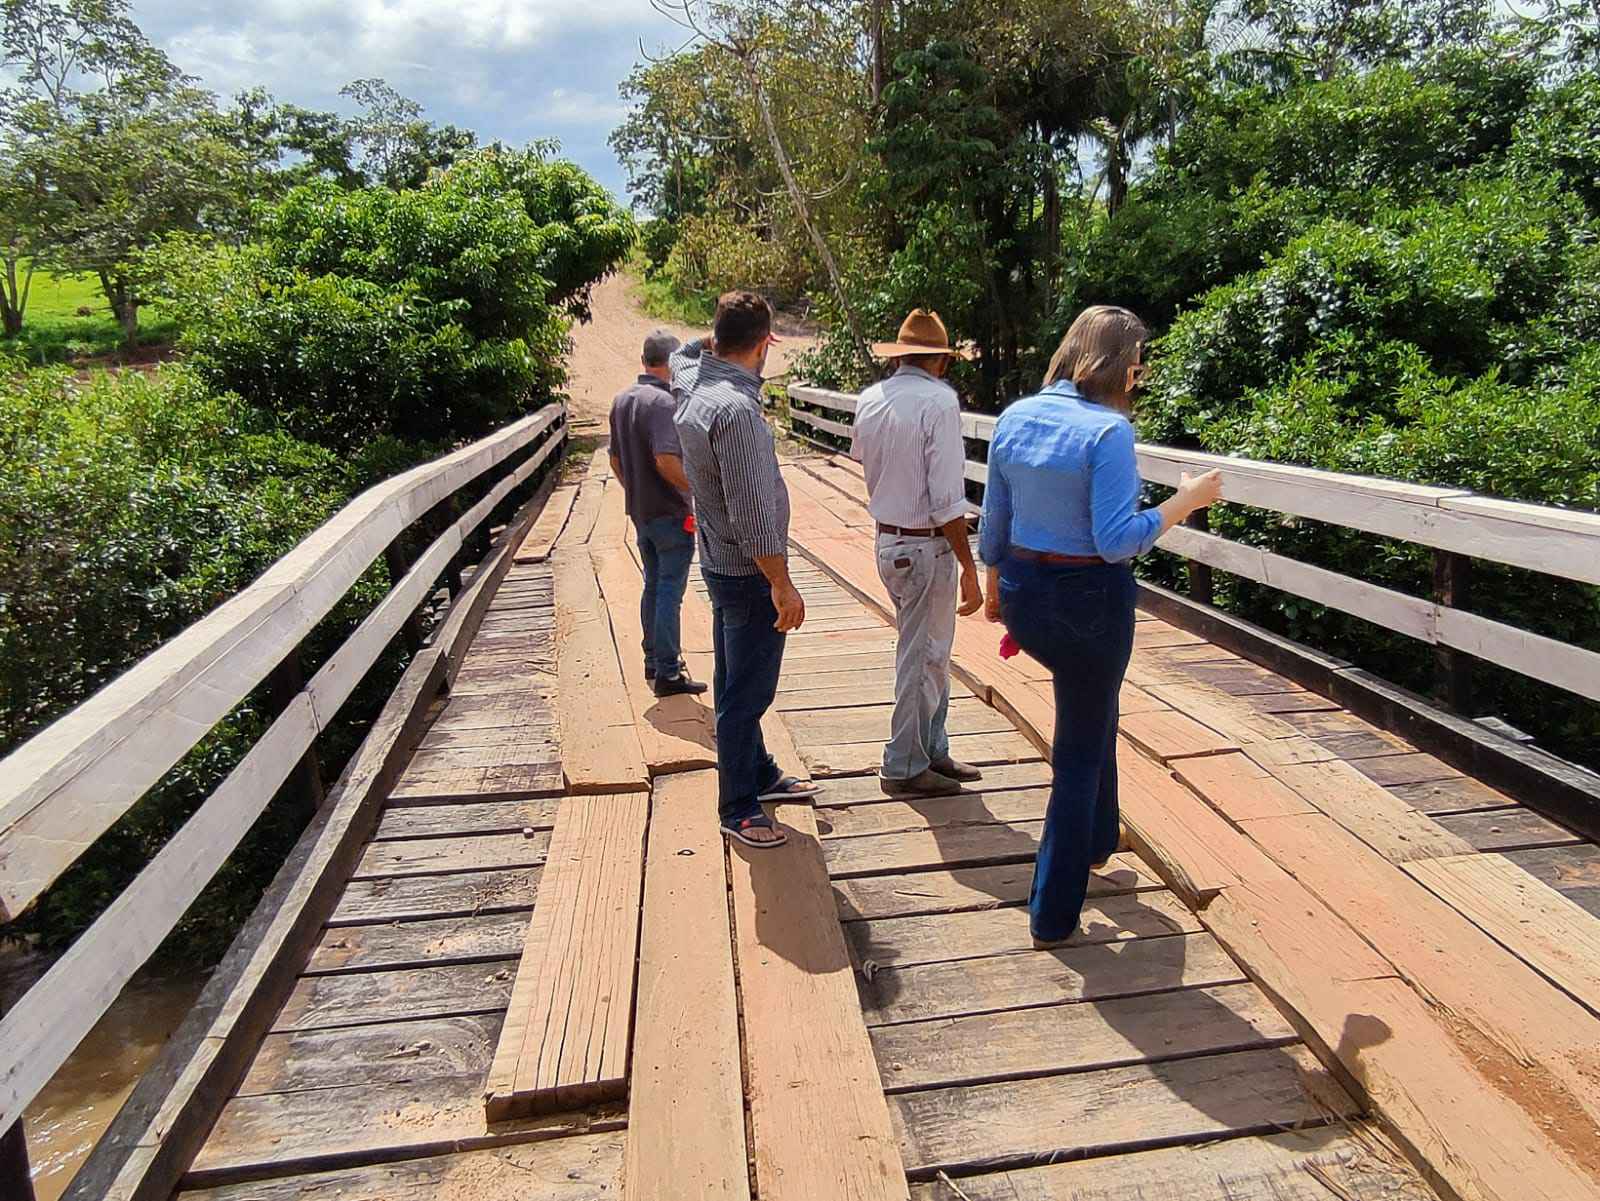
[399,148]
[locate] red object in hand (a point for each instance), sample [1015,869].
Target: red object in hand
[688,524]
[1008,647]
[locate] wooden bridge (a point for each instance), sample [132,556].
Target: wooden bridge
[1355,953]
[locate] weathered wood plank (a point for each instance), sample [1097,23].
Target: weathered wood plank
[455,894]
[1047,1041]
[1451,796]
[908,894]
[455,782]
[600,749]
[997,777]
[566,1037]
[338,1127]
[820,1123]
[979,749]
[1004,982]
[319,1002]
[686,1113]
[1243,788]
[580,1167]
[1533,921]
[1324,1164]
[1412,767]
[898,817]
[1167,734]
[388,1053]
[870,723]
[542,536]
[1098,1113]
[438,856]
[924,850]
[532,705]
[1385,823]
[429,941]
[471,817]
[816,700]
[1507,830]
[1572,871]
[945,938]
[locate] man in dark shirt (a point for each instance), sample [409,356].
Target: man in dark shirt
[645,456]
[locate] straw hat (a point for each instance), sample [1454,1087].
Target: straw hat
[920,333]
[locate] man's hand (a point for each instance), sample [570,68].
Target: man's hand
[971,593]
[791,608]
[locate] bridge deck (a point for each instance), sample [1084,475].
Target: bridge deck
[1145,1060]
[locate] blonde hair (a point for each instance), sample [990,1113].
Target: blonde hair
[1096,352]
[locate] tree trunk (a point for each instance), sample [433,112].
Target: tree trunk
[875,33]
[803,211]
[124,306]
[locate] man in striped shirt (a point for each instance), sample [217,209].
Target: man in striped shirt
[742,514]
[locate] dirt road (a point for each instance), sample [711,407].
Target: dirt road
[605,353]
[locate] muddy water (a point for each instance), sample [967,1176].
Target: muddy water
[77,1106]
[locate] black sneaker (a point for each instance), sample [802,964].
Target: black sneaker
[649,674]
[679,685]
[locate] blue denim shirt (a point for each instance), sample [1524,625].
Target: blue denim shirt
[1062,479]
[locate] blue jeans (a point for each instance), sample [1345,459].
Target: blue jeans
[749,652]
[1078,622]
[666,549]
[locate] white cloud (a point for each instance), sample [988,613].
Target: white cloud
[565,106]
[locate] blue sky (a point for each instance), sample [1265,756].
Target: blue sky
[509,69]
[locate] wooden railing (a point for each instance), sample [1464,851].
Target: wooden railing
[1457,524]
[63,788]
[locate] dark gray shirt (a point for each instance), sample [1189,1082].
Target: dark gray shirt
[641,429]
[741,502]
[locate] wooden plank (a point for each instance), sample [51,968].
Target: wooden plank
[978,749]
[566,1036]
[820,1124]
[676,733]
[542,740]
[473,817]
[1573,871]
[455,781]
[900,817]
[457,894]
[910,893]
[1245,789]
[552,520]
[338,1127]
[531,706]
[580,1167]
[476,939]
[870,723]
[1099,1113]
[947,937]
[1388,825]
[1048,1041]
[823,697]
[686,1112]
[923,850]
[1506,830]
[1005,982]
[997,777]
[1168,735]
[1330,1163]
[1451,796]
[388,1053]
[1414,767]
[600,749]
[320,1002]
[1533,921]
[440,856]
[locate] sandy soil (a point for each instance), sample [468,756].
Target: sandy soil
[605,353]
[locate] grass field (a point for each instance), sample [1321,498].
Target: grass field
[54,330]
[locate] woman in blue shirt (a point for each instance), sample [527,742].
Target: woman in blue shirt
[1060,524]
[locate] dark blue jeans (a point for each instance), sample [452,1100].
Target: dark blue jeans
[749,652]
[1078,622]
[667,549]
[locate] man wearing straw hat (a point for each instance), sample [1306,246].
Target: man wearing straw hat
[908,438]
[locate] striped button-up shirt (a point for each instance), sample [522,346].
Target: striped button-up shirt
[685,364]
[741,502]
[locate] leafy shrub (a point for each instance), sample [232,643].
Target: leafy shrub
[657,237]
[715,253]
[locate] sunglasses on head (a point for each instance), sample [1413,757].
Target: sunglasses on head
[1136,374]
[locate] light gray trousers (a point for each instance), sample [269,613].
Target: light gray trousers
[922,578]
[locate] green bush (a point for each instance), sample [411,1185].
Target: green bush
[429,315]
[657,237]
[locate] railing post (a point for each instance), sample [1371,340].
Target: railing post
[284,683]
[399,561]
[1200,585]
[16,1177]
[1452,581]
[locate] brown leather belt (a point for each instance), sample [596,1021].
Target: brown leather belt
[1054,560]
[903,532]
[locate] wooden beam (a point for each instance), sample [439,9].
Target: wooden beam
[819,1119]
[686,1130]
[566,1037]
[541,539]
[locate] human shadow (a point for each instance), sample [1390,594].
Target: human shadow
[795,916]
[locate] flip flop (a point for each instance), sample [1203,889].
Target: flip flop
[785,789]
[759,822]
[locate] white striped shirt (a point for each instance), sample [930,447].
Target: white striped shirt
[741,502]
